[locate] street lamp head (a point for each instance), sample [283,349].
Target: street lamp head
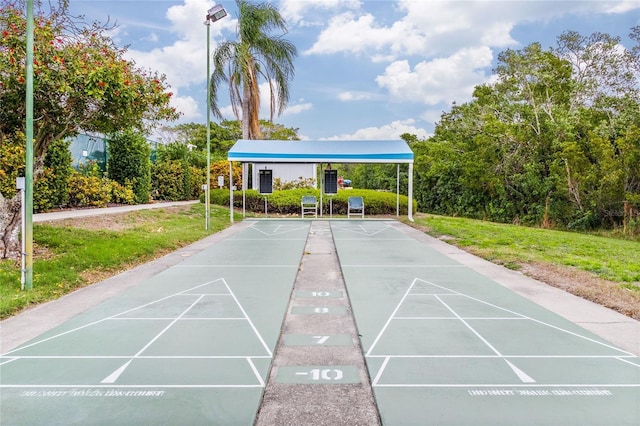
[216,13]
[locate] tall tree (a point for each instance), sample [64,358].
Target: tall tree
[81,83]
[256,55]
[553,140]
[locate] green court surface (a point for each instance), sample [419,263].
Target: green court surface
[190,346]
[447,346]
[444,345]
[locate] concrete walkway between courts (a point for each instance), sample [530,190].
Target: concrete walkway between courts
[320,322]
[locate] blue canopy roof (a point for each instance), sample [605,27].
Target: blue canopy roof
[316,151]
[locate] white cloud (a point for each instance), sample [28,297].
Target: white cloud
[432,115]
[188,107]
[439,80]
[184,62]
[437,27]
[298,108]
[387,131]
[305,13]
[623,6]
[227,113]
[356,96]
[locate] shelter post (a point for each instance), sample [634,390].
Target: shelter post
[231,191]
[398,190]
[410,206]
[245,166]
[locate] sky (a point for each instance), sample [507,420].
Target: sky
[366,69]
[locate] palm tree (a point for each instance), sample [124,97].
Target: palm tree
[256,55]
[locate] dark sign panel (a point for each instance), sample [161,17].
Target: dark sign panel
[330,181]
[266,181]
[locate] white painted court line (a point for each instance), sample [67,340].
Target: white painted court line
[183,319]
[362,230]
[382,241]
[524,377]
[116,374]
[9,360]
[270,239]
[277,231]
[466,324]
[396,266]
[73,330]
[94,357]
[386,324]
[380,371]
[109,386]
[456,319]
[511,385]
[521,374]
[620,358]
[113,377]
[588,386]
[255,371]
[252,266]
[255,330]
[529,318]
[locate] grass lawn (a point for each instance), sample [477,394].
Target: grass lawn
[73,253]
[611,266]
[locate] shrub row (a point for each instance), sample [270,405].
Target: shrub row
[287,202]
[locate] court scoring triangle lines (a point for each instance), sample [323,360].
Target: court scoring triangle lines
[278,229]
[214,288]
[443,295]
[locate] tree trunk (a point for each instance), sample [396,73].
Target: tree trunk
[10,214]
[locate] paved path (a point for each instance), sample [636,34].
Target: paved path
[269,320]
[66,214]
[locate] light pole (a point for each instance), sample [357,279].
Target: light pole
[27,235]
[214,14]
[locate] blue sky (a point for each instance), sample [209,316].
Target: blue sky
[366,69]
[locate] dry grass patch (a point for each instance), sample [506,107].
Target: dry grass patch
[586,285]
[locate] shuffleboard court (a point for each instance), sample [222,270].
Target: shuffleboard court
[447,346]
[191,345]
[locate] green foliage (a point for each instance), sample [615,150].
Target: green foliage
[76,255]
[261,52]
[610,258]
[287,202]
[279,185]
[81,79]
[221,168]
[122,194]
[383,177]
[12,158]
[89,191]
[58,161]
[44,191]
[543,145]
[170,181]
[129,161]
[90,168]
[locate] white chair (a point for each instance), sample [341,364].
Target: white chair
[309,205]
[355,205]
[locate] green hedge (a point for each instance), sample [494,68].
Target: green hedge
[287,202]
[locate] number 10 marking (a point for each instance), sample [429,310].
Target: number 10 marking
[326,374]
